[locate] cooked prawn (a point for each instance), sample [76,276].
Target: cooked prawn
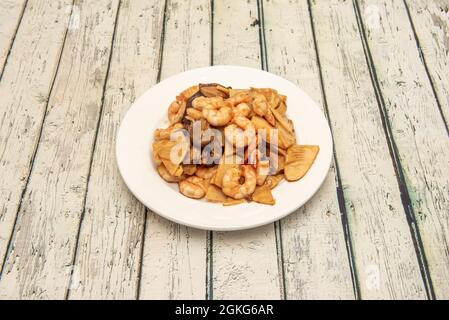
[189,169]
[218,117]
[206,172]
[193,187]
[239,98]
[203,102]
[194,114]
[262,108]
[163,172]
[242,109]
[241,132]
[244,123]
[176,111]
[215,110]
[232,185]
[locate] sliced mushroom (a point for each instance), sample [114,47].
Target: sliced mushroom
[213,90]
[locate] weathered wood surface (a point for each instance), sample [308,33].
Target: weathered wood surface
[416,125]
[384,254]
[316,262]
[40,263]
[245,263]
[66,85]
[431,24]
[110,243]
[24,90]
[11,12]
[174,256]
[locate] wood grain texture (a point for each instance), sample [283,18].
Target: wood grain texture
[187,38]
[109,251]
[174,256]
[11,12]
[316,260]
[61,83]
[24,91]
[40,263]
[385,258]
[245,263]
[430,19]
[418,131]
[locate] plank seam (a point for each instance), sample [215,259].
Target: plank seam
[212,11]
[423,59]
[36,148]
[75,253]
[161,43]
[13,39]
[392,147]
[339,187]
[210,234]
[280,257]
[262,40]
[276,225]
[209,266]
[158,79]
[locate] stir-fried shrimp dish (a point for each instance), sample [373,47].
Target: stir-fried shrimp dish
[230,146]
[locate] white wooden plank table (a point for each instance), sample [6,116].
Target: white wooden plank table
[377,229]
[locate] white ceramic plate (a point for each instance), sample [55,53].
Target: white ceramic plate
[149,112]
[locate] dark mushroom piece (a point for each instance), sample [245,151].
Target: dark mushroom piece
[213,90]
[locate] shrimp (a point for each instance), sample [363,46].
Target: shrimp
[206,172]
[218,117]
[232,185]
[163,172]
[244,123]
[238,98]
[194,114]
[239,137]
[176,111]
[164,134]
[215,110]
[203,102]
[193,187]
[262,108]
[242,109]
[189,169]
